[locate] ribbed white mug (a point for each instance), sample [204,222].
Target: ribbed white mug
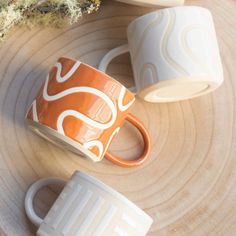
[87,207]
[174,54]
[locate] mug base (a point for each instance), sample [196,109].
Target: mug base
[60,140]
[177,90]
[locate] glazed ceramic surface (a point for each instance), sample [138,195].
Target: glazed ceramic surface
[82,104]
[174,54]
[88,207]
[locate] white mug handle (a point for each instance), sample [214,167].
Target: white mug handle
[29,197]
[110,56]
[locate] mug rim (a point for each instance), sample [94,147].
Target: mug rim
[98,71]
[140,18]
[113,192]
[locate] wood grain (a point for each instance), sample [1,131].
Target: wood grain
[187,186]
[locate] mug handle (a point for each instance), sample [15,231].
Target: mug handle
[30,195]
[147,144]
[110,56]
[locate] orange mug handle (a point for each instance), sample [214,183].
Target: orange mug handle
[147,146]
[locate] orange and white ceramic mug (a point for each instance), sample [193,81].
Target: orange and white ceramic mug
[82,109]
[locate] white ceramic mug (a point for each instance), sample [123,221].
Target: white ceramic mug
[154,3]
[174,54]
[87,207]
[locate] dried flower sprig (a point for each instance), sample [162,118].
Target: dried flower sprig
[44,12]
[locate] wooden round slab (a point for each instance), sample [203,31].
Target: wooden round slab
[188,184]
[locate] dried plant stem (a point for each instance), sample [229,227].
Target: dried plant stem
[44,12]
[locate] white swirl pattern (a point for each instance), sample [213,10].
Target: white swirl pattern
[181,44]
[95,143]
[60,78]
[111,137]
[34,111]
[171,16]
[83,89]
[188,50]
[77,114]
[120,101]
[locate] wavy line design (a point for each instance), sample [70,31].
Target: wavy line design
[34,111]
[77,114]
[149,70]
[111,137]
[62,79]
[60,119]
[95,143]
[120,101]
[164,43]
[80,89]
[99,144]
[188,49]
[85,119]
[157,20]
